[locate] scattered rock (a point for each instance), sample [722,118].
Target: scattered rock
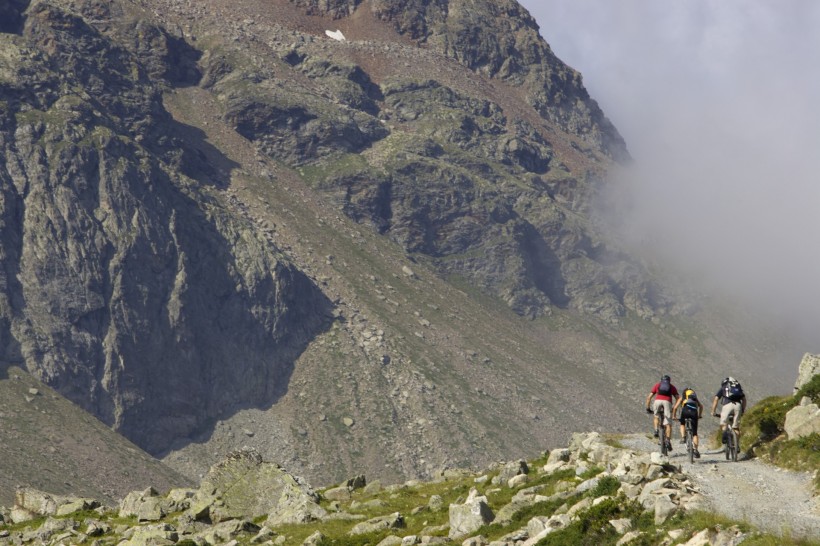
[469,517]
[392,521]
[802,420]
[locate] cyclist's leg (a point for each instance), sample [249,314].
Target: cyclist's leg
[694,419]
[736,417]
[725,413]
[655,419]
[667,417]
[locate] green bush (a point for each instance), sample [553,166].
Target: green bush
[810,389]
[608,485]
[592,527]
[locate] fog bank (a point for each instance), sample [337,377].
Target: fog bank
[717,101]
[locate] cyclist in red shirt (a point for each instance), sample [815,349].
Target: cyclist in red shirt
[665,395]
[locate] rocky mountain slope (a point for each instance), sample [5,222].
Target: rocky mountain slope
[596,491]
[219,226]
[48,443]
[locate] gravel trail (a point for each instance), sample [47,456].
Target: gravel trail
[770,498]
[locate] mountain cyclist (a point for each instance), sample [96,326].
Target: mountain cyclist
[731,395]
[665,395]
[691,408]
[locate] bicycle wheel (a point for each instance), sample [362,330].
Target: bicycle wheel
[662,436]
[728,449]
[690,442]
[735,446]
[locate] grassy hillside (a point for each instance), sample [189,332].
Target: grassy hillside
[764,435]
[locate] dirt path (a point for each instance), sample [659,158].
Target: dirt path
[775,500]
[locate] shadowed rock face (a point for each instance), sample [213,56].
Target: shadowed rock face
[11,15]
[123,285]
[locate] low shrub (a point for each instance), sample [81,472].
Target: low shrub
[608,485]
[592,527]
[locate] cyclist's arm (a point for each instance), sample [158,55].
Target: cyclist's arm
[700,409]
[649,399]
[743,404]
[714,404]
[676,406]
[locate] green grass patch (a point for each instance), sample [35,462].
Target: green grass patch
[338,167]
[614,440]
[591,472]
[763,432]
[607,486]
[592,527]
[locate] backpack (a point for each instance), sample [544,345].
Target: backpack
[665,387]
[732,391]
[691,399]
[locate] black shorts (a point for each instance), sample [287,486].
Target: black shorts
[692,414]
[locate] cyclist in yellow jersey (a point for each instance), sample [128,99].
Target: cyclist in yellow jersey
[691,408]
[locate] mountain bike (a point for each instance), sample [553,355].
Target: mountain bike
[732,442]
[662,439]
[690,440]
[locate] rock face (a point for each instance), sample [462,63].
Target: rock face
[499,39]
[30,503]
[469,517]
[809,367]
[119,269]
[481,193]
[802,420]
[243,485]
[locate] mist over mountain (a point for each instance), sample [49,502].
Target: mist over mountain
[220,226]
[716,103]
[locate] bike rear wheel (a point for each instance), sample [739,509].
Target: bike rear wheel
[734,438]
[662,436]
[690,442]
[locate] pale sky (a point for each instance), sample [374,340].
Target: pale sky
[719,103]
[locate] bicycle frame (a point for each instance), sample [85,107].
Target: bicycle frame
[690,440]
[662,431]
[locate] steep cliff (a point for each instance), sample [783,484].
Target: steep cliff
[125,286]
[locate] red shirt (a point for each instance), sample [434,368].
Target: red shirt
[664,396]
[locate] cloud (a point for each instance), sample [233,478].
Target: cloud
[717,101]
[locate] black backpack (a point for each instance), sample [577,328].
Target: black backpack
[665,387]
[732,391]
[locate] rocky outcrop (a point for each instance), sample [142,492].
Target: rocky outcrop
[498,39]
[118,267]
[482,191]
[470,516]
[809,367]
[802,420]
[244,486]
[30,503]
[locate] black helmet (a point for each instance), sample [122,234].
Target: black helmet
[666,378]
